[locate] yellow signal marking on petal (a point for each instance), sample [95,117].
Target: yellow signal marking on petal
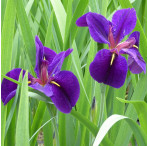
[53,82]
[135,46]
[112,59]
[44,58]
[29,82]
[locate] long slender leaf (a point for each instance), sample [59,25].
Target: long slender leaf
[141,108]
[60,14]
[90,126]
[6,51]
[139,94]
[22,127]
[138,132]
[37,121]
[9,118]
[26,30]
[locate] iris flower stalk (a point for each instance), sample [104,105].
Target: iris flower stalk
[108,66]
[61,86]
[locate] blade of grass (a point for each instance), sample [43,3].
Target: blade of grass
[62,129]
[90,126]
[26,31]
[89,89]
[41,128]
[22,127]
[9,118]
[6,52]
[138,132]
[52,112]
[10,136]
[141,109]
[60,14]
[37,121]
[118,108]
[125,134]
[71,31]
[47,130]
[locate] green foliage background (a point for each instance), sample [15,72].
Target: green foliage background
[54,22]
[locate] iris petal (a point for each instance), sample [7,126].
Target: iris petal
[49,54]
[55,66]
[136,63]
[65,96]
[136,35]
[103,72]
[8,88]
[39,55]
[98,27]
[123,21]
[46,89]
[81,22]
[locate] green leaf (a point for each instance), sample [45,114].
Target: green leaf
[71,31]
[9,118]
[47,130]
[104,7]
[37,121]
[52,112]
[90,126]
[137,130]
[60,14]
[125,134]
[62,129]
[49,31]
[118,108]
[141,108]
[26,30]
[22,127]
[36,132]
[6,52]
[7,36]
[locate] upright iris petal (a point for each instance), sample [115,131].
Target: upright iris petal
[108,66]
[61,86]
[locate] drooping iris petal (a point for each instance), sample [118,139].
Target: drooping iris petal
[136,35]
[49,54]
[98,27]
[39,55]
[81,22]
[55,66]
[136,63]
[124,21]
[46,89]
[8,88]
[65,96]
[102,71]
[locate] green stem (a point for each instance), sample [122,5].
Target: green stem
[103,113]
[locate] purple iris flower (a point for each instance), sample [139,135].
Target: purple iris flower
[61,86]
[108,66]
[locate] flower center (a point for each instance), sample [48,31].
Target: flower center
[44,72]
[115,48]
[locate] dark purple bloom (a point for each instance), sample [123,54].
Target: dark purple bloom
[61,86]
[109,66]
